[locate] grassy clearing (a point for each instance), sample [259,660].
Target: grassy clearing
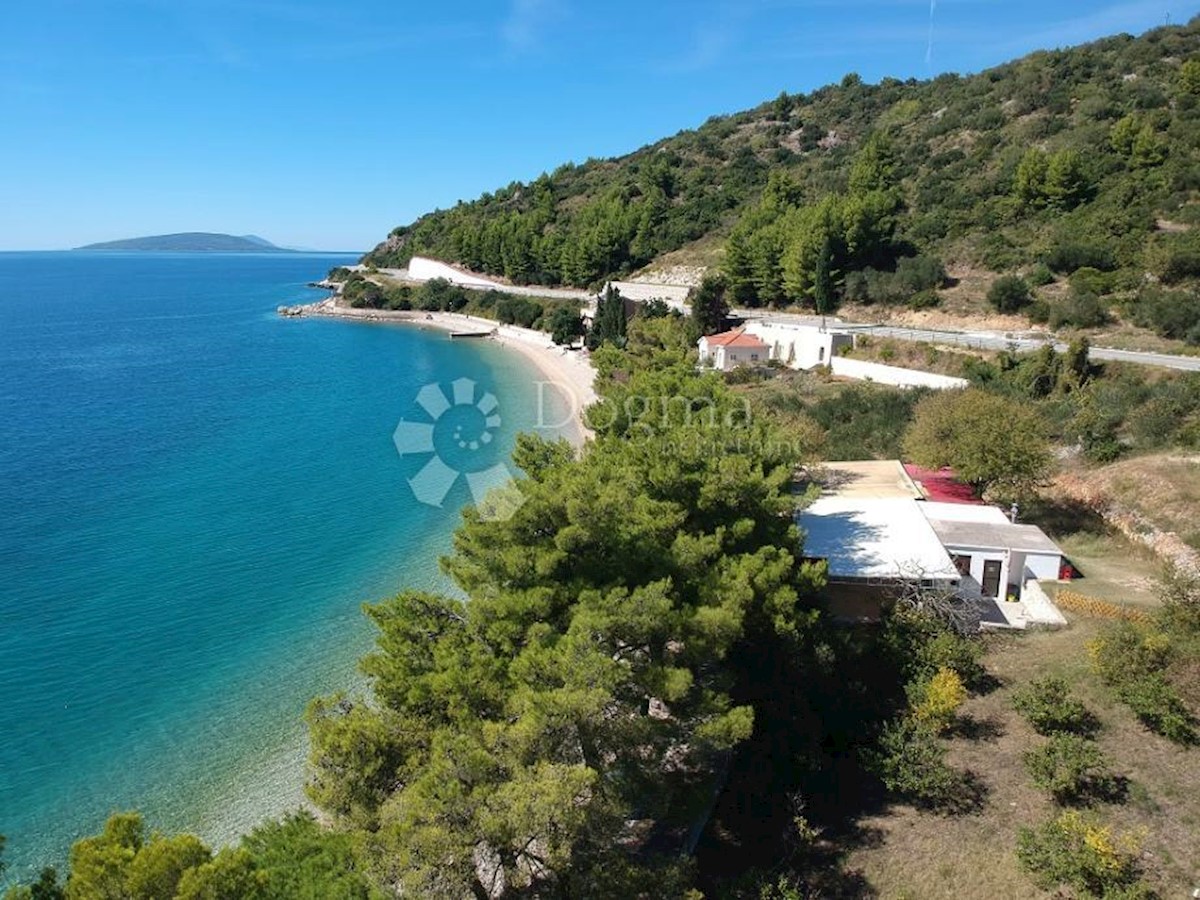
[1113,568]
[907,853]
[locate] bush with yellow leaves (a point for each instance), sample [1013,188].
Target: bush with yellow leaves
[935,701]
[1076,850]
[1134,661]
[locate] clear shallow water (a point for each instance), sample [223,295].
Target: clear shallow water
[195,498]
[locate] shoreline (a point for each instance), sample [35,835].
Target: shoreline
[570,371]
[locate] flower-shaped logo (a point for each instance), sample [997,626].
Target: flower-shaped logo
[460,444]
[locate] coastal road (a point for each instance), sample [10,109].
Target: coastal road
[518,289]
[980,340]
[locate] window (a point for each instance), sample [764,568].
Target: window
[753,357]
[962,562]
[820,354]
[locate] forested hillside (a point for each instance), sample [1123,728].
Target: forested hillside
[1079,159]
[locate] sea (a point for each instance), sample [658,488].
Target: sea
[197,495]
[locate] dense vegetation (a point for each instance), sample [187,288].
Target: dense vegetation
[637,692]
[283,859]
[1077,167]
[439,295]
[1107,410]
[640,668]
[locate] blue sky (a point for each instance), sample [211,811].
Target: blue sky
[322,124]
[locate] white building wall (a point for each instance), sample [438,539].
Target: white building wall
[978,558]
[725,358]
[800,346]
[732,357]
[893,375]
[1043,566]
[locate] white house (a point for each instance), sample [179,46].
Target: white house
[877,533]
[731,349]
[800,346]
[996,557]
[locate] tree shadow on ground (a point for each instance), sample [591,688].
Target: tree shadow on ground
[1060,517]
[1112,789]
[975,728]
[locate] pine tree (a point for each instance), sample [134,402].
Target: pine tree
[709,306]
[1029,185]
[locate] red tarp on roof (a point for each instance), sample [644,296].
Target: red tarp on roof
[941,485]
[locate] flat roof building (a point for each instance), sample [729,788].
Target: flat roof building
[876,531]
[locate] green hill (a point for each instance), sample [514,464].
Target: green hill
[1078,168]
[192,242]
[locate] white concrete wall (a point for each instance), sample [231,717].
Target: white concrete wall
[893,375]
[1039,608]
[1042,566]
[421,268]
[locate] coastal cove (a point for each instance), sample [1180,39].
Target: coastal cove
[197,496]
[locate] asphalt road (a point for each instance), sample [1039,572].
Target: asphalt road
[980,340]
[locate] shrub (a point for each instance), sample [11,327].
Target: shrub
[1133,661]
[515,310]
[924,300]
[1067,256]
[1077,310]
[1173,314]
[935,701]
[1038,311]
[1048,706]
[920,273]
[1039,275]
[960,654]
[1072,850]
[911,763]
[1175,257]
[1180,596]
[1070,767]
[1125,652]
[1088,280]
[1009,293]
[923,644]
[1157,704]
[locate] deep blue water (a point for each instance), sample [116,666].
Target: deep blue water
[195,498]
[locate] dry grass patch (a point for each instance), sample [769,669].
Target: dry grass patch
[1154,498]
[924,855]
[915,355]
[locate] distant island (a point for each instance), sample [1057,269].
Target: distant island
[192,242]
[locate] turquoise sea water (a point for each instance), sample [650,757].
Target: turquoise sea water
[195,498]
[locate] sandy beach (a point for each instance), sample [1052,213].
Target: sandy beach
[569,372]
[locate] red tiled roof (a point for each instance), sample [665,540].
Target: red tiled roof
[735,338]
[942,485]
